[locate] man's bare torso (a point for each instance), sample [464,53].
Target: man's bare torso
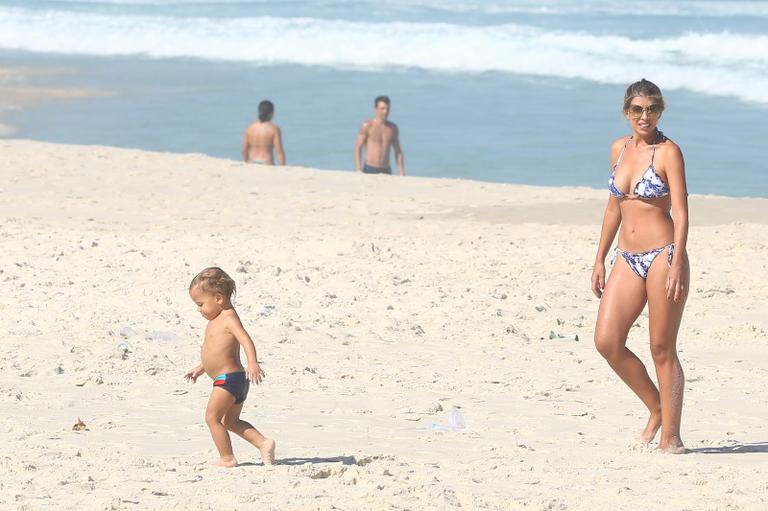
[378,142]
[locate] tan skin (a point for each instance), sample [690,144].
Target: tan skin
[378,136]
[220,354]
[644,225]
[260,140]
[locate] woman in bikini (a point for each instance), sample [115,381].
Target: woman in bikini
[651,265]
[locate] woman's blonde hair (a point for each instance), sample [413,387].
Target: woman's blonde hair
[643,88]
[214,280]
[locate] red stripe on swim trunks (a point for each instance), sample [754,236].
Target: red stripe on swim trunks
[219,382]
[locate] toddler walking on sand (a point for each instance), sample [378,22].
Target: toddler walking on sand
[212,291]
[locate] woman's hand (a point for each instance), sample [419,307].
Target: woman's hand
[598,279]
[677,284]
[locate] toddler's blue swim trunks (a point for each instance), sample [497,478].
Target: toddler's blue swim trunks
[234,383]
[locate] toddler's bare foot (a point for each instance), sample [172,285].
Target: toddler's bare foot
[267,449]
[225,462]
[649,433]
[674,446]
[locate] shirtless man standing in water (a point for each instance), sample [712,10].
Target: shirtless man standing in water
[378,136]
[262,137]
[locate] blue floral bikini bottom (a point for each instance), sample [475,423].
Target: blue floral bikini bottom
[640,262]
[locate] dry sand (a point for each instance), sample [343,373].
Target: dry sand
[378,305]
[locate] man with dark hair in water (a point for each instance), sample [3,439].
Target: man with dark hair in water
[262,137]
[378,136]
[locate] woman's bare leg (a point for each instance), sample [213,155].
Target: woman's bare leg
[665,316]
[622,302]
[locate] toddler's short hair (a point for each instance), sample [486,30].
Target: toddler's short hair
[214,280]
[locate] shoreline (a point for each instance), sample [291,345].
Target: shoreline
[533,203]
[17,93]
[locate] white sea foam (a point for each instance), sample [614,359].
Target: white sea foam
[715,63]
[692,8]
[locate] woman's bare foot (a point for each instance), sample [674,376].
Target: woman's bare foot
[267,449]
[674,446]
[649,433]
[225,462]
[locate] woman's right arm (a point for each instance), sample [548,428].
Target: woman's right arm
[611,222]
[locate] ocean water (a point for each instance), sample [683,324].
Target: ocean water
[500,90]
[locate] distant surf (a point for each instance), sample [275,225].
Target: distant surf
[722,63]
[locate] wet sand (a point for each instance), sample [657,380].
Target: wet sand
[17,92]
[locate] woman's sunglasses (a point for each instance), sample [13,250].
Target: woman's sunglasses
[636,111]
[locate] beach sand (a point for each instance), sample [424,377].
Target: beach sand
[378,305]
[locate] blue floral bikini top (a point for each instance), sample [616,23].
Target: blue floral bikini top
[650,185]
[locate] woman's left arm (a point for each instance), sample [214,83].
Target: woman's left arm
[677,285]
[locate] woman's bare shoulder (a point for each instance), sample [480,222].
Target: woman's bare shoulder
[616,147]
[617,144]
[669,149]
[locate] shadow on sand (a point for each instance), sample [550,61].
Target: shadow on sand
[732,449]
[344,460]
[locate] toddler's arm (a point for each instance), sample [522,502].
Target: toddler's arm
[193,374]
[253,372]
